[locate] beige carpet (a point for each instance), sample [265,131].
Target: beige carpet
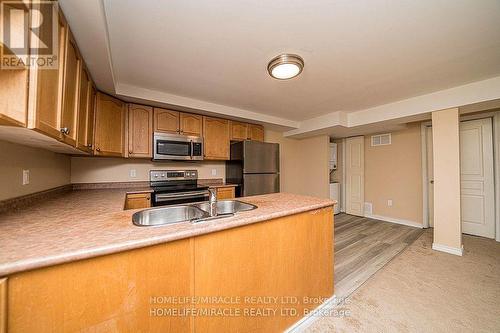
[422,290]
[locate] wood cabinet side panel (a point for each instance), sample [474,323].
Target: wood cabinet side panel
[3,305]
[289,256]
[108,293]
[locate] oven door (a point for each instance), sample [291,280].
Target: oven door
[173,147]
[163,199]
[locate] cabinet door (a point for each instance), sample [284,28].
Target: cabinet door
[239,131]
[138,200]
[91,116]
[166,121]
[83,110]
[216,138]
[46,89]
[109,126]
[191,124]
[140,131]
[225,193]
[255,132]
[69,115]
[13,81]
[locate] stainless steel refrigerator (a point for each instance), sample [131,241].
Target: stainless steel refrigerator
[255,167]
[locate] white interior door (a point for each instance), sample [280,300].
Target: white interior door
[476,178]
[355,175]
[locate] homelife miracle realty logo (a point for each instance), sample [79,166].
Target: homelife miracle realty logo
[29,34]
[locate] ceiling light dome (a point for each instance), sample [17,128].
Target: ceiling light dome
[285,66]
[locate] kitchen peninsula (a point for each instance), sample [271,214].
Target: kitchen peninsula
[76,261]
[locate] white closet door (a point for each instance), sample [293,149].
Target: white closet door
[477,178]
[355,175]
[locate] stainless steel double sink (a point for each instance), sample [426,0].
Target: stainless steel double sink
[189,213]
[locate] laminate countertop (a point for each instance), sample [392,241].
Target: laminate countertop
[88,223]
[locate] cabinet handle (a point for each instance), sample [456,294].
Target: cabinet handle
[98,149]
[65,130]
[89,145]
[130,152]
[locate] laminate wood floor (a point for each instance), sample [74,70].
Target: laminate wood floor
[363,246]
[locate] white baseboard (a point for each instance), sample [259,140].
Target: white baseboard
[310,318]
[448,249]
[394,220]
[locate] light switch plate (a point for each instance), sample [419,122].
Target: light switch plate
[214,172]
[389,203]
[26,177]
[133,173]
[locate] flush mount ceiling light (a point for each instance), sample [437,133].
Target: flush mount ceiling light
[285,66]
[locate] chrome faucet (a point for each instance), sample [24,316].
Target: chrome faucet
[212,199]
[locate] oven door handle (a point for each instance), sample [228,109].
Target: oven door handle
[167,197]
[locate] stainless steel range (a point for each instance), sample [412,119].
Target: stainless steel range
[172,187]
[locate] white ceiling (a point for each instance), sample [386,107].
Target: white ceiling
[358,54]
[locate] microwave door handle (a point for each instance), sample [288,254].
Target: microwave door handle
[191,148]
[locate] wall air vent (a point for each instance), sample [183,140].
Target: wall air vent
[381,139]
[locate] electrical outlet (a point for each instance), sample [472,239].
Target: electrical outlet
[133,173]
[26,177]
[214,172]
[389,203]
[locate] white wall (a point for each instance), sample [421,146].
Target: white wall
[304,164]
[102,169]
[47,170]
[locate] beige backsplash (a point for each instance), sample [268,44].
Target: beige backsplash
[101,169]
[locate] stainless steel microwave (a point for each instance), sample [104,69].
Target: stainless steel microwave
[177,147]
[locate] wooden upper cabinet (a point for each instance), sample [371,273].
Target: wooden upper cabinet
[69,114]
[255,132]
[46,87]
[85,112]
[239,131]
[91,117]
[166,121]
[191,124]
[140,131]
[13,81]
[216,138]
[109,130]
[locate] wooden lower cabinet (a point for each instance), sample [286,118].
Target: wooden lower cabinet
[225,193]
[127,291]
[138,200]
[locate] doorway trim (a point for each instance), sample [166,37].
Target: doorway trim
[495,115]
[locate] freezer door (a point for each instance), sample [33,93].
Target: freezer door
[260,157]
[254,184]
